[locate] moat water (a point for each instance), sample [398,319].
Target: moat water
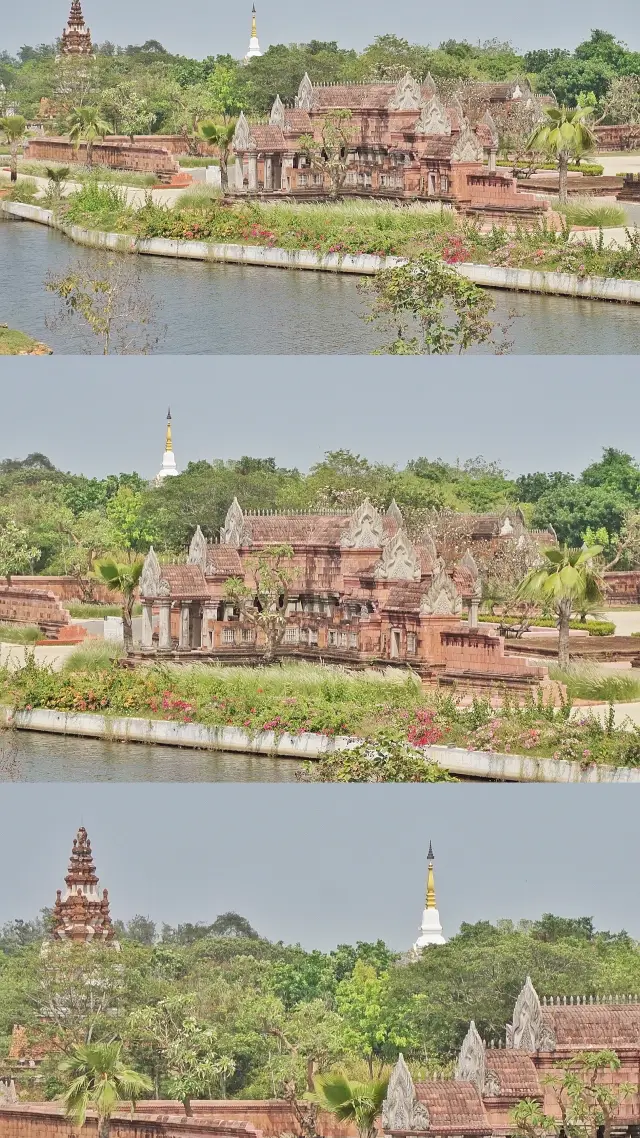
[29,756]
[243,310]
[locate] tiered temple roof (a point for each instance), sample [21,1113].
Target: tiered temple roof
[76,37]
[80,914]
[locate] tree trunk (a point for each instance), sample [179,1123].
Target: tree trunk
[563,171]
[104,1126]
[89,152]
[14,162]
[564,615]
[127,626]
[224,175]
[187,1107]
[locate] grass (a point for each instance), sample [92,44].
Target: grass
[84,611]
[199,196]
[584,682]
[14,343]
[25,190]
[93,656]
[19,633]
[84,174]
[588,211]
[191,162]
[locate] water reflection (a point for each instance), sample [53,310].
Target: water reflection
[242,310]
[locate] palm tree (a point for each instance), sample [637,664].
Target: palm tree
[565,578]
[220,135]
[86,125]
[359,1103]
[57,176]
[122,579]
[14,128]
[563,133]
[97,1079]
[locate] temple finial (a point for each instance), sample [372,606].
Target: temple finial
[431,885]
[168,446]
[254,29]
[168,468]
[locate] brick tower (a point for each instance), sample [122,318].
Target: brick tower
[76,37]
[81,915]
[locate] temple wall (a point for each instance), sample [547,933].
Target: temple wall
[625,136]
[119,156]
[27,606]
[64,588]
[623,587]
[154,1119]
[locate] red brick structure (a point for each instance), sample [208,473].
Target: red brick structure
[623,587]
[46,1120]
[623,136]
[63,588]
[76,37]
[29,606]
[404,142]
[147,158]
[490,1081]
[363,594]
[81,915]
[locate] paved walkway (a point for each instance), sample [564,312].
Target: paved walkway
[13,656]
[135,195]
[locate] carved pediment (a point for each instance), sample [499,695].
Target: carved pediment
[242,134]
[470,1067]
[506,528]
[401,1109]
[433,118]
[525,1032]
[365,529]
[468,562]
[276,118]
[305,93]
[395,512]
[150,576]
[442,599]
[468,148]
[428,86]
[492,1086]
[198,550]
[399,561]
[407,95]
[233,531]
[490,123]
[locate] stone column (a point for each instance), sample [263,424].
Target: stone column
[183,640]
[285,173]
[147,624]
[474,604]
[164,631]
[268,172]
[253,172]
[208,613]
[493,154]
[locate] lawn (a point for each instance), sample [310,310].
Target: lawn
[14,343]
[19,633]
[301,698]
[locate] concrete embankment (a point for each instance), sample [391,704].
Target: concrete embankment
[458,761]
[364,264]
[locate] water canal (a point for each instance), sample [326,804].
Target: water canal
[28,756]
[243,310]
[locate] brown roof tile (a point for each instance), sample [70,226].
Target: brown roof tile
[356,96]
[267,137]
[405,597]
[297,121]
[454,1107]
[515,1071]
[594,1025]
[223,560]
[185,581]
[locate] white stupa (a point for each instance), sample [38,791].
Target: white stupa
[254,46]
[168,468]
[430,929]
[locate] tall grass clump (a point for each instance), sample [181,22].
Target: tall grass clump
[588,211]
[19,633]
[585,682]
[97,206]
[93,656]
[83,610]
[199,196]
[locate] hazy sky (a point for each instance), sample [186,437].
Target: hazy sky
[324,865]
[98,416]
[202,28]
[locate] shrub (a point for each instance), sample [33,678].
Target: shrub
[19,633]
[585,682]
[385,760]
[593,627]
[587,211]
[26,190]
[93,656]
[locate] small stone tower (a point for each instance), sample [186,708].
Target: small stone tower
[76,37]
[80,914]
[168,468]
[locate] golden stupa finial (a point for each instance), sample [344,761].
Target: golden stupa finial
[168,444]
[431,885]
[254,30]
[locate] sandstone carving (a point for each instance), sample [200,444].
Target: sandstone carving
[365,529]
[233,530]
[150,576]
[305,93]
[407,95]
[401,1109]
[399,561]
[442,599]
[198,550]
[276,118]
[433,118]
[242,135]
[470,1067]
[468,148]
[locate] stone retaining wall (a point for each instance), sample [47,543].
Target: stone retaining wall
[64,588]
[30,606]
[458,761]
[366,264]
[117,155]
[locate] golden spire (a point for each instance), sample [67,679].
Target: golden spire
[168,444]
[254,30]
[431,886]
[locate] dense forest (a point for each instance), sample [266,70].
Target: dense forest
[142,88]
[63,521]
[263,1012]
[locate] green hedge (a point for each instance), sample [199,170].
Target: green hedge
[593,627]
[589,169]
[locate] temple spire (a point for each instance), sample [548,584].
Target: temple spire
[81,914]
[430,929]
[76,37]
[168,468]
[254,46]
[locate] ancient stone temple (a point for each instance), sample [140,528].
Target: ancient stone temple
[81,914]
[489,1081]
[430,929]
[363,593]
[76,37]
[403,141]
